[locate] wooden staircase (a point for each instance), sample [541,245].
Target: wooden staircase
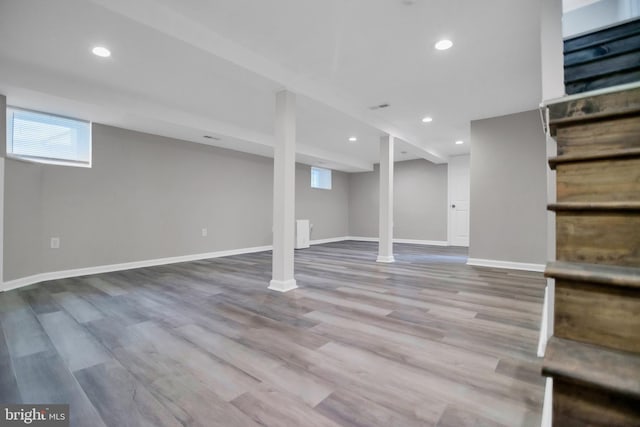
[594,355]
[603,58]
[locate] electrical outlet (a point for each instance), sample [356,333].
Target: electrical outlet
[205,232]
[55,243]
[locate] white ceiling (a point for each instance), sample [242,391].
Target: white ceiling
[193,67]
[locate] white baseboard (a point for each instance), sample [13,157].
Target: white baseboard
[422,242]
[76,272]
[363,239]
[505,264]
[283,285]
[64,274]
[329,240]
[409,241]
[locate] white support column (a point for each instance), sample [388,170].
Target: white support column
[284,180]
[3,149]
[385,248]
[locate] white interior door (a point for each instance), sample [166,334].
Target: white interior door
[459,196]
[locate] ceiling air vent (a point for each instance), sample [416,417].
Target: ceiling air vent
[377,107]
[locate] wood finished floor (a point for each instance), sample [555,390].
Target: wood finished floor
[427,341]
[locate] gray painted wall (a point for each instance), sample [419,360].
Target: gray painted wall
[420,201]
[3,144]
[327,210]
[363,203]
[23,244]
[149,197]
[508,189]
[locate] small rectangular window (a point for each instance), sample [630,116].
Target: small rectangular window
[47,138]
[321,178]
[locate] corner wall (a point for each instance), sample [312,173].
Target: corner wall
[420,201]
[326,210]
[508,189]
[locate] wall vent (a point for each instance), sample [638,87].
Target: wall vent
[377,107]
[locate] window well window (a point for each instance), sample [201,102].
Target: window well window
[321,178]
[47,138]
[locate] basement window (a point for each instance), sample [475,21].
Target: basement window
[321,178]
[47,138]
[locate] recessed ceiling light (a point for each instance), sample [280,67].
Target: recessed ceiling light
[353,139]
[427,120]
[101,51]
[444,44]
[459,142]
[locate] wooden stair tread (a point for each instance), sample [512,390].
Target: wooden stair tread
[594,273]
[612,370]
[595,206]
[592,108]
[590,157]
[601,115]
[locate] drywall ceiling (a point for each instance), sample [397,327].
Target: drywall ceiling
[200,67]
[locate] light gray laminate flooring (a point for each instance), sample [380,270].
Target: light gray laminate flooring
[423,342]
